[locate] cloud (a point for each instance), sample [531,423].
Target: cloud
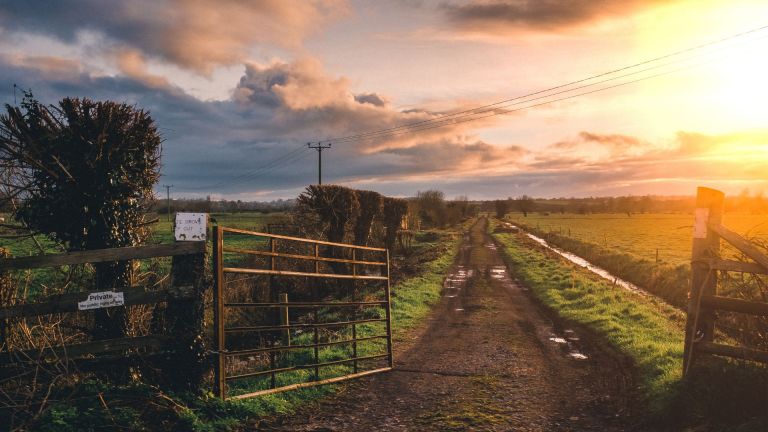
[371,98]
[194,34]
[133,64]
[49,66]
[506,16]
[304,100]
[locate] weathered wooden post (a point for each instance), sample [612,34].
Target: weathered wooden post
[185,323]
[700,323]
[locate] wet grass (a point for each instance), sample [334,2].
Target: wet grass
[650,333]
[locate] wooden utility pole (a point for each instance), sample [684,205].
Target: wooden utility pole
[319,147]
[168,200]
[700,323]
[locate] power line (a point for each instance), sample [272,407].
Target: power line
[441,118]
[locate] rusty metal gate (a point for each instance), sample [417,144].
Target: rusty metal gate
[292,312]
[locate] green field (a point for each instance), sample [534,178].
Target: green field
[641,235]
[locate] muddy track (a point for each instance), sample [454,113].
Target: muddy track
[488,359]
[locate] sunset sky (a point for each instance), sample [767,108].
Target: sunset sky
[239,87]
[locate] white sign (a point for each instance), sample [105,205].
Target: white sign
[103,299]
[700,217]
[191,226]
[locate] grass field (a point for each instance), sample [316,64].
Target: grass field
[640,235]
[719,396]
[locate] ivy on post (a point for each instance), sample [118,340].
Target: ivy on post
[185,311]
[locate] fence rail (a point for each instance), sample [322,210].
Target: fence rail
[186,289]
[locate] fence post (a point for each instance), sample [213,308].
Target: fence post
[706,244]
[219,368]
[185,318]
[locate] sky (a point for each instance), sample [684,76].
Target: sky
[238,88]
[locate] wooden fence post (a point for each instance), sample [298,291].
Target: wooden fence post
[700,323]
[185,319]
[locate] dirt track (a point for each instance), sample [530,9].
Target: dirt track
[488,359]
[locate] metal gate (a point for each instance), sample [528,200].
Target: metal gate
[292,312]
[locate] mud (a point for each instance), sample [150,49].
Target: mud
[487,359]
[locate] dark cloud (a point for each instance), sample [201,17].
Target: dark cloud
[371,98]
[498,16]
[195,34]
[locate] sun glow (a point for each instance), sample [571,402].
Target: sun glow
[720,88]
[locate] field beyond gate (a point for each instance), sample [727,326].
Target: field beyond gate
[297,312]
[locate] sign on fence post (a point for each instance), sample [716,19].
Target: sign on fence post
[191,226]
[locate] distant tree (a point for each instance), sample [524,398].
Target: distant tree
[502,208]
[336,206]
[525,204]
[394,210]
[84,177]
[432,207]
[370,203]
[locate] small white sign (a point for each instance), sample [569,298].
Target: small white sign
[100,300]
[191,226]
[700,217]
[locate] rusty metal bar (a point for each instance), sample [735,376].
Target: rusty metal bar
[298,239]
[389,317]
[301,325]
[311,384]
[218,313]
[316,347]
[304,366]
[303,274]
[299,347]
[304,257]
[308,304]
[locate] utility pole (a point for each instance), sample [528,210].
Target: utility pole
[319,147]
[168,197]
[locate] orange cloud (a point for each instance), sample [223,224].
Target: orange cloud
[133,64]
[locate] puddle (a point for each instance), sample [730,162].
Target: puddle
[568,344]
[586,264]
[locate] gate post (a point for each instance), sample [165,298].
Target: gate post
[219,371]
[706,244]
[185,314]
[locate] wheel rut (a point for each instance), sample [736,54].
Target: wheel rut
[487,359]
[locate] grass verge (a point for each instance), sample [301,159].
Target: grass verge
[720,395]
